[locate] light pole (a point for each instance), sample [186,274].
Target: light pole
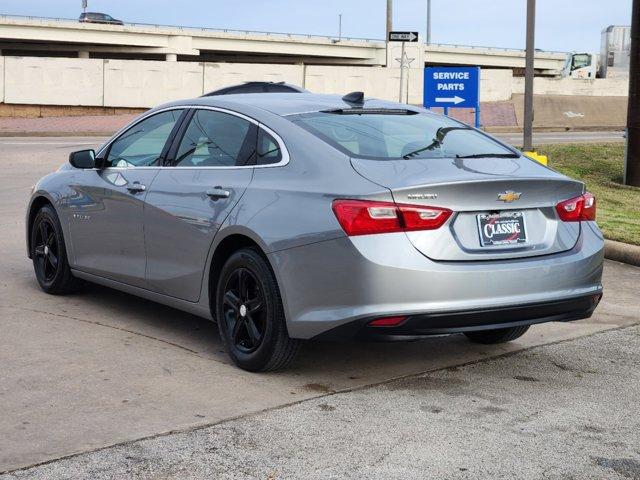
[339,26]
[632,156]
[389,17]
[528,76]
[428,22]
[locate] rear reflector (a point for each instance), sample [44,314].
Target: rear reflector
[577,209]
[364,217]
[387,321]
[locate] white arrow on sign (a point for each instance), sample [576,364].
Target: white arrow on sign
[402,36]
[455,100]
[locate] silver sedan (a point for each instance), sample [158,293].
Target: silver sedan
[287,217]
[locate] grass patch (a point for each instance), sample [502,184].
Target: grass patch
[601,167]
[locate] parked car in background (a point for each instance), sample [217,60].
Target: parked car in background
[297,216]
[258,87]
[95,17]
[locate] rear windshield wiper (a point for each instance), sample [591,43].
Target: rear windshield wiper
[483,155]
[440,134]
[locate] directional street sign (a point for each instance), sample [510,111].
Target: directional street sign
[403,36]
[452,87]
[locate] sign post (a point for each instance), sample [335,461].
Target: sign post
[457,87]
[403,37]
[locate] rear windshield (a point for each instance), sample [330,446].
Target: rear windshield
[393,136]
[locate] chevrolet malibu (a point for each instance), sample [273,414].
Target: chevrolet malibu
[287,217]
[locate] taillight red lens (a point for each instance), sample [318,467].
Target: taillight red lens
[387,321]
[364,217]
[577,209]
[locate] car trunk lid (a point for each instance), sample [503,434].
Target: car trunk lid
[471,188]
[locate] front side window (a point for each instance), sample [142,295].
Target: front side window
[142,144]
[581,60]
[397,135]
[217,139]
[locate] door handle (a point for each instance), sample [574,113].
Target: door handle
[218,192]
[136,187]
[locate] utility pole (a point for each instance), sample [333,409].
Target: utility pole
[402,74]
[632,156]
[428,22]
[528,76]
[389,17]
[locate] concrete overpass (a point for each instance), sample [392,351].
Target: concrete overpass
[33,36]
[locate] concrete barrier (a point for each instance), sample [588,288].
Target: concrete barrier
[53,81]
[218,75]
[139,83]
[376,82]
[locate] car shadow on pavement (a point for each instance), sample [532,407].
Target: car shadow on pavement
[351,361]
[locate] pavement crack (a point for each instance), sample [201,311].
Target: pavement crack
[100,324]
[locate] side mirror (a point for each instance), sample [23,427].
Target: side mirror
[83,159]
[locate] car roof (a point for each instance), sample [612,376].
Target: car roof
[284,104]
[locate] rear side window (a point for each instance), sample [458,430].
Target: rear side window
[393,136]
[217,139]
[268,150]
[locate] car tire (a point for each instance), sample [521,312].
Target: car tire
[500,335]
[250,314]
[49,254]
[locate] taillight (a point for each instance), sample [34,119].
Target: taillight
[577,209]
[387,321]
[364,217]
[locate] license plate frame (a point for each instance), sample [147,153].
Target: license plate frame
[510,223]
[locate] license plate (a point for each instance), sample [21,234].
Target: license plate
[503,228]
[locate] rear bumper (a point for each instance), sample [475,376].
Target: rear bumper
[469,320]
[344,281]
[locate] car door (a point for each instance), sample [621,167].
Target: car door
[106,213]
[188,201]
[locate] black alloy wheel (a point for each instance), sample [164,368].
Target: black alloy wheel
[244,310]
[46,250]
[250,315]
[49,254]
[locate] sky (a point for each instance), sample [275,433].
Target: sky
[563,25]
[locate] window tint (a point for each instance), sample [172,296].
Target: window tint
[268,150]
[216,139]
[142,144]
[386,136]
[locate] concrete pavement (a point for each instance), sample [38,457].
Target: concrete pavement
[561,411]
[100,368]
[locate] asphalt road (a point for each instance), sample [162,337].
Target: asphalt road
[101,368]
[542,138]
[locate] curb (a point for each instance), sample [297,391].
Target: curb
[556,129]
[79,133]
[622,252]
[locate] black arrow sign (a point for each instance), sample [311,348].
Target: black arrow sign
[403,36]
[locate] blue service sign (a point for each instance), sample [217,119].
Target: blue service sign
[451,87]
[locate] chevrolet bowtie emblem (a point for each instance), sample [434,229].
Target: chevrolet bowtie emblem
[509,196]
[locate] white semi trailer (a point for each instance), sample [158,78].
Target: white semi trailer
[613,61]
